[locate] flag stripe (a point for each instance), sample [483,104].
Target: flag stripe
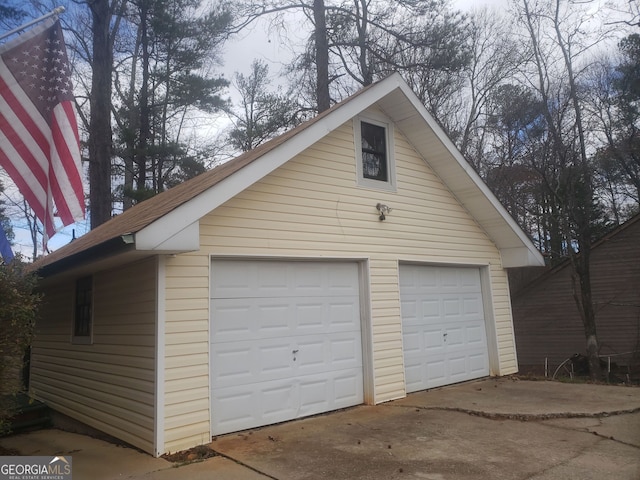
[66,173]
[27,117]
[39,143]
[13,148]
[23,157]
[19,173]
[59,177]
[67,144]
[19,128]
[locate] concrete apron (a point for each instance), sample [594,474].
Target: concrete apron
[491,429]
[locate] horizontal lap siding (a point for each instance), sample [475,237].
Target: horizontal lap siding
[186,369]
[312,207]
[108,385]
[548,323]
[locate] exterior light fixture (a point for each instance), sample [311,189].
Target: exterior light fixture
[383,210]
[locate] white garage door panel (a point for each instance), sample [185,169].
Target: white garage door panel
[250,406]
[248,362]
[444,337]
[285,341]
[245,279]
[256,318]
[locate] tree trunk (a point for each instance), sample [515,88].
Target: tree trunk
[141,154]
[322,56]
[365,68]
[100,122]
[130,140]
[584,301]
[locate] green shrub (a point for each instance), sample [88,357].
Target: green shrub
[18,310]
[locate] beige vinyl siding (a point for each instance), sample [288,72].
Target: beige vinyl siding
[312,207]
[186,368]
[508,362]
[110,384]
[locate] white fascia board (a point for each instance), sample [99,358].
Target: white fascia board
[476,208]
[169,238]
[521,257]
[161,232]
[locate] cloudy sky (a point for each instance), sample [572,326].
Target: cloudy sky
[258,42]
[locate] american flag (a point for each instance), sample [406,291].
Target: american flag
[39,146]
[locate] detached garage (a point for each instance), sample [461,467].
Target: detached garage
[354,259]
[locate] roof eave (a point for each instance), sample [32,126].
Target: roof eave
[115,247]
[521,257]
[123,249]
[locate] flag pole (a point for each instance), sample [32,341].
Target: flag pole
[55,11]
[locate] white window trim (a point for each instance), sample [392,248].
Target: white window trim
[389,185]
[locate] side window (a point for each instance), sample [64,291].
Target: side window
[374,154]
[83,312]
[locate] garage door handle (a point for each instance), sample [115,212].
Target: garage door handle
[295,352]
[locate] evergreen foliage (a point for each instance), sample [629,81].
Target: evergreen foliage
[18,312]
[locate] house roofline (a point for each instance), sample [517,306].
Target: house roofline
[567,262]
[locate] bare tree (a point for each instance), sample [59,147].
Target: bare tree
[559,40]
[613,95]
[316,12]
[356,42]
[494,59]
[322,55]
[625,12]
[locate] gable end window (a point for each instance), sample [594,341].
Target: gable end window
[83,312]
[374,154]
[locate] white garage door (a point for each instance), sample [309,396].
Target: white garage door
[285,341]
[443,329]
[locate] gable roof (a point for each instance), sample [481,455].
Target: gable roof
[169,222]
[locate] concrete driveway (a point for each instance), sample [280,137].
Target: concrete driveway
[490,429]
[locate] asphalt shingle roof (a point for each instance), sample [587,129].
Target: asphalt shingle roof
[145,213]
